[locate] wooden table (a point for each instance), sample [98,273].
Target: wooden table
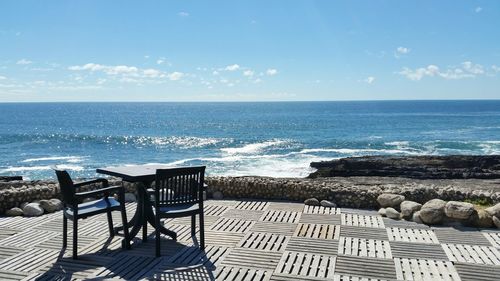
[144,174]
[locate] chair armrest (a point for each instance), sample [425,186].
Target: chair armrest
[99,180]
[99,191]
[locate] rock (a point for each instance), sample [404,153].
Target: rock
[416,217]
[328,204]
[23,204]
[417,167]
[312,202]
[432,212]
[392,213]
[409,207]
[390,200]
[52,205]
[11,178]
[14,212]
[496,221]
[130,197]
[458,210]
[382,212]
[217,195]
[32,210]
[494,211]
[481,218]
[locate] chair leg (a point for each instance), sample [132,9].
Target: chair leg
[65,231]
[144,226]
[125,227]
[193,225]
[202,231]
[157,235]
[145,231]
[75,238]
[110,224]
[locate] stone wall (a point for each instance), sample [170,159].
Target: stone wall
[14,193]
[355,192]
[350,192]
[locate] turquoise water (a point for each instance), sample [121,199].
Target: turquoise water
[268,139]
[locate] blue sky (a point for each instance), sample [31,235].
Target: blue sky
[249,50]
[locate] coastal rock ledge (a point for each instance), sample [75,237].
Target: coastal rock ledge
[416,167]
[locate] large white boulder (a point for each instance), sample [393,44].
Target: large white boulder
[32,210]
[459,210]
[392,213]
[494,211]
[432,212]
[409,207]
[14,212]
[496,222]
[52,205]
[328,204]
[416,217]
[390,200]
[312,202]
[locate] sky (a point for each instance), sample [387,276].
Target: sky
[257,50]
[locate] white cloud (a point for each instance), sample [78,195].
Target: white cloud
[146,56]
[369,79]
[2,77]
[401,51]
[101,81]
[466,70]
[183,14]
[24,62]
[128,73]
[248,73]
[108,69]
[232,67]
[174,76]
[472,68]
[271,71]
[152,73]
[495,68]
[215,72]
[162,60]
[478,9]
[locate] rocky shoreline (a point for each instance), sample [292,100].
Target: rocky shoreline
[416,167]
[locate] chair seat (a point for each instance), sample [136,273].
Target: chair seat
[180,209]
[94,207]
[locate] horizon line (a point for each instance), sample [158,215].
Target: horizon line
[243,101]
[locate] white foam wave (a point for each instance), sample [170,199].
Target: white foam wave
[398,143]
[253,148]
[40,168]
[354,151]
[70,159]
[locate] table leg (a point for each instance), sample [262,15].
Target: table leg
[143,215]
[138,219]
[150,217]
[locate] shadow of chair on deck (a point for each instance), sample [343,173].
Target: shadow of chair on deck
[139,263]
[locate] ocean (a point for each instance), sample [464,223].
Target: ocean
[277,139]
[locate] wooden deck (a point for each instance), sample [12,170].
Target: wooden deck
[255,240]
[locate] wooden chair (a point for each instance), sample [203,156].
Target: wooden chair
[179,193]
[75,210]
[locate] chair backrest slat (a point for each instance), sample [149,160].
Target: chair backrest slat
[67,186]
[178,186]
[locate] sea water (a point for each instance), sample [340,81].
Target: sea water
[267,139]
